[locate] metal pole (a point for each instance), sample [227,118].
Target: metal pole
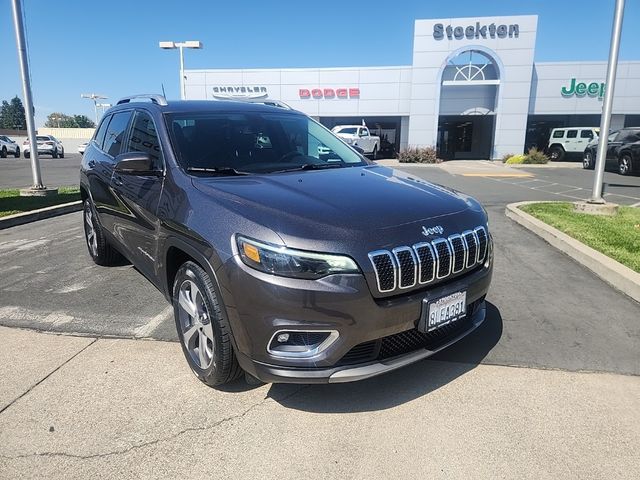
[605,121]
[95,109]
[26,90]
[182,91]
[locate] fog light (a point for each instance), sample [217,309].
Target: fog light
[300,344]
[283,337]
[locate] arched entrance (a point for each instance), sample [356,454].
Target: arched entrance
[469,89]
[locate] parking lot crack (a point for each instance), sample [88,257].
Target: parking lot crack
[156,441]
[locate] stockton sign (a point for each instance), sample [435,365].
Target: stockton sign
[476,31]
[239,91]
[319,93]
[580,89]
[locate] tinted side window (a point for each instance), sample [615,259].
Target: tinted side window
[558,134]
[586,134]
[144,138]
[116,132]
[572,133]
[102,129]
[628,136]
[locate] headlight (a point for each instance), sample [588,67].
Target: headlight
[348,140]
[286,262]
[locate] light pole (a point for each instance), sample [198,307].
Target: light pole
[94,97]
[181,45]
[103,107]
[26,90]
[605,121]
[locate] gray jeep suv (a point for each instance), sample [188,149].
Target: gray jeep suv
[285,253]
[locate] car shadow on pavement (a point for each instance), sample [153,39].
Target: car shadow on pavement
[402,385]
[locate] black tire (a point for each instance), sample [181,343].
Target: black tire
[16,154]
[27,155]
[374,154]
[54,154]
[588,161]
[3,152]
[101,252]
[62,154]
[556,153]
[624,164]
[224,366]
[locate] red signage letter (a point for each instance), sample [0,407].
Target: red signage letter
[304,93]
[329,93]
[316,93]
[354,92]
[341,93]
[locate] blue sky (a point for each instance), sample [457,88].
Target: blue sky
[111,47]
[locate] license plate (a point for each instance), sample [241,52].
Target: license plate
[446,310]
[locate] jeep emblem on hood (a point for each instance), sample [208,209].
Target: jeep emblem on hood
[432,230]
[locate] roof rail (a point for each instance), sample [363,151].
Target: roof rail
[263,101]
[155,98]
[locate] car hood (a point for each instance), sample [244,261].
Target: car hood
[357,203]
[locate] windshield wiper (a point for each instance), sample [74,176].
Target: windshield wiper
[229,171]
[310,166]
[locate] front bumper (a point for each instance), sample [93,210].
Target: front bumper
[341,303]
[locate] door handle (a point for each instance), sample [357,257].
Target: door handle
[117,180]
[91,163]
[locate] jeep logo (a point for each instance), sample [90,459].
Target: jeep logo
[432,230]
[594,89]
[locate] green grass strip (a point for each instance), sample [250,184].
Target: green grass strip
[11,202]
[616,236]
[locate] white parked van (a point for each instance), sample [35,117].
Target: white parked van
[570,140]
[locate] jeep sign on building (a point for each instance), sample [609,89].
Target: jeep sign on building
[472,90]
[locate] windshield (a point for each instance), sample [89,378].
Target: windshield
[255,142]
[349,130]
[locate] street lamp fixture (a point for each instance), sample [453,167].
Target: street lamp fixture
[95,97]
[196,44]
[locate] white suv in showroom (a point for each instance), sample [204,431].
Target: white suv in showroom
[568,141]
[47,145]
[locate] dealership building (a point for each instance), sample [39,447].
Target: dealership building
[473,90]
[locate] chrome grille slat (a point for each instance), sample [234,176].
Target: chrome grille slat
[404,267]
[407,267]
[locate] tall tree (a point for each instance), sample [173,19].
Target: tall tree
[83,121]
[60,120]
[12,114]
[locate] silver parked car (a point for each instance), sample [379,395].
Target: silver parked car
[8,147]
[47,145]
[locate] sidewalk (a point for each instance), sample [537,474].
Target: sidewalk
[81,408]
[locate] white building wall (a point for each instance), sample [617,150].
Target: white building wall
[383,90]
[514,56]
[550,78]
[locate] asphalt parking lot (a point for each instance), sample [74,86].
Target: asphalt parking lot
[95,403]
[545,310]
[56,172]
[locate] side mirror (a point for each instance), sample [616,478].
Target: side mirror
[358,149]
[136,163]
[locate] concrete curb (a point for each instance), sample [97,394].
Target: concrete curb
[612,272]
[40,214]
[576,165]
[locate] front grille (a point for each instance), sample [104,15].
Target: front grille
[409,341]
[404,267]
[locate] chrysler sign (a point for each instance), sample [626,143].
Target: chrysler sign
[319,93]
[239,91]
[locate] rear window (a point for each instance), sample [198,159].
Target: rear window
[586,134]
[558,134]
[102,129]
[572,133]
[41,138]
[116,132]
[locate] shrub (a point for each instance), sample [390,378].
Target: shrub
[516,159]
[506,157]
[419,155]
[535,156]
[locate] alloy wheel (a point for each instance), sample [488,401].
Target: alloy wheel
[586,161]
[195,322]
[624,165]
[92,238]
